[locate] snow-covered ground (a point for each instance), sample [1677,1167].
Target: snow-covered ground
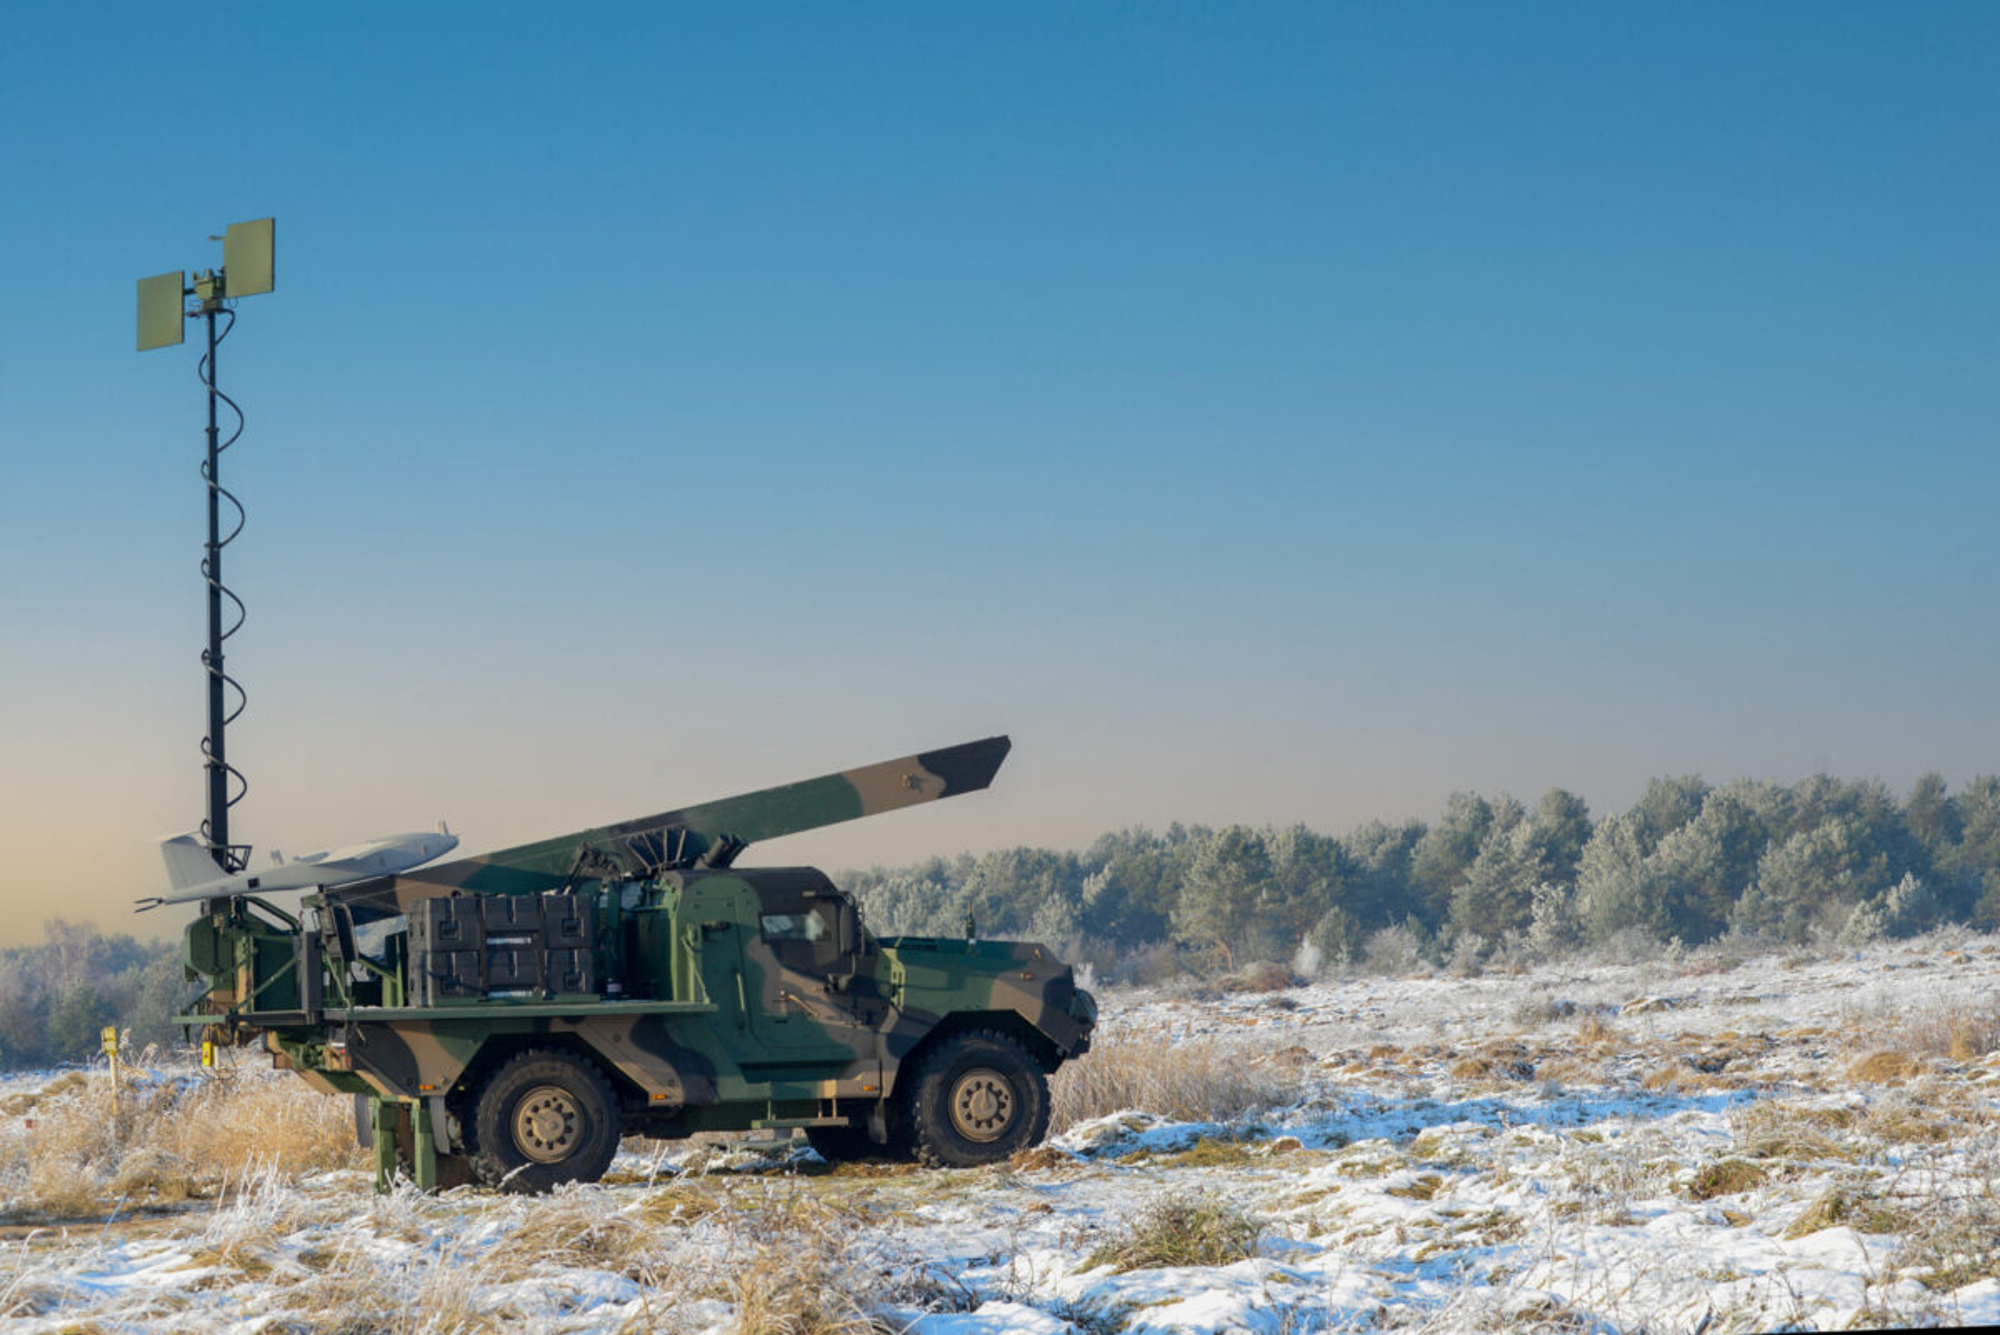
[1625,1148]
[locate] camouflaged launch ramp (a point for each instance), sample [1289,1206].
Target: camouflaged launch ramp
[505,1018]
[708,835]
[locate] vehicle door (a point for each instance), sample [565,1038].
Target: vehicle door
[802,958]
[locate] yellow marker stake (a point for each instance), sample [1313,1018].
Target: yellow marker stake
[110,1040]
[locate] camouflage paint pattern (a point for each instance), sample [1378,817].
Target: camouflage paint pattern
[708,834]
[749,997]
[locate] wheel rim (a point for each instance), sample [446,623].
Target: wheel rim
[547,1123]
[982,1104]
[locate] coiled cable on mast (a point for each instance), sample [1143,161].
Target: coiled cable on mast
[237,855]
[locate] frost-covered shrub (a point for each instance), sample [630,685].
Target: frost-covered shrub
[1148,965]
[1468,955]
[1629,945]
[1910,908]
[1554,929]
[1335,939]
[1864,924]
[1540,1008]
[1394,950]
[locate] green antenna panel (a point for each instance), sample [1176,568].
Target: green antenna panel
[160,319]
[247,257]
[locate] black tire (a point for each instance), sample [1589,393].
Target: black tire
[842,1144]
[543,1118]
[977,1098]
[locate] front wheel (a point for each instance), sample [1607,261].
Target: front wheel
[541,1119]
[975,1100]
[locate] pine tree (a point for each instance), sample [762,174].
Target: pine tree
[1441,857]
[1219,900]
[1812,881]
[1616,887]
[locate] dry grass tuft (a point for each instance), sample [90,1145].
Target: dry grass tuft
[1961,1032]
[1570,1070]
[788,1262]
[183,1135]
[1842,1207]
[802,1277]
[1953,1242]
[1957,1029]
[1929,1113]
[1186,1229]
[1423,1189]
[1195,1080]
[1725,1177]
[1593,1032]
[1679,1077]
[1773,1129]
[681,1202]
[1671,1078]
[1883,1067]
[25,1102]
[1493,1066]
[1039,1159]
[1212,1152]
[1264,976]
[571,1228]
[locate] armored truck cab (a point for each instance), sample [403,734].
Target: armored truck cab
[506,1019]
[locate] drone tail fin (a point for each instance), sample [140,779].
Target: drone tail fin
[188,861]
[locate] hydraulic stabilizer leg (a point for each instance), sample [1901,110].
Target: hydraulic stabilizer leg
[382,1119]
[423,1146]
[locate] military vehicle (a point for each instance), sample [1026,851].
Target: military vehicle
[505,1019]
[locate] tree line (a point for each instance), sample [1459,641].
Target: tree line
[1823,858]
[56,997]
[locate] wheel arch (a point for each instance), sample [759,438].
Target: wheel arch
[1009,1024]
[498,1049]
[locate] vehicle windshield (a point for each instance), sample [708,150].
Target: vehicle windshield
[810,925]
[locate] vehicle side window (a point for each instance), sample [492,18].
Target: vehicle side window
[807,926]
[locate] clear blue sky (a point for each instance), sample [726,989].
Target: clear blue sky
[1261,412]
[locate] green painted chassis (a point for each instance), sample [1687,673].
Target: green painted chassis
[263,953]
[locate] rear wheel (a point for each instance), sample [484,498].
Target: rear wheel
[541,1119]
[976,1099]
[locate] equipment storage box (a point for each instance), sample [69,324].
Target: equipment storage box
[569,972]
[449,922]
[512,915]
[568,945]
[439,978]
[511,969]
[473,947]
[568,922]
[446,956]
